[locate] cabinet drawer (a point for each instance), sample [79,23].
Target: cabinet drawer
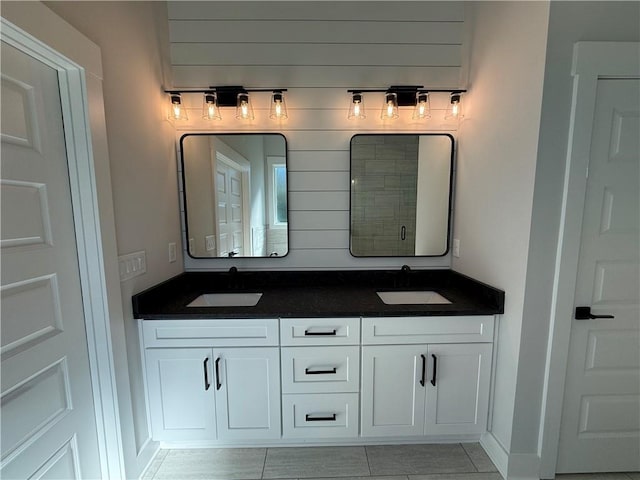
[210,333]
[404,330]
[320,369]
[320,416]
[320,331]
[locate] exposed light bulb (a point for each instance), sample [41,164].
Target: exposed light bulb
[244,109]
[356,109]
[454,110]
[278,108]
[390,107]
[356,106]
[176,112]
[210,110]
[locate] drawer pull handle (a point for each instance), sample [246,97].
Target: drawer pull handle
[308,333]
[424,369]
[311,418]
[218,384]
[435,369]
[206,375]
[308,371]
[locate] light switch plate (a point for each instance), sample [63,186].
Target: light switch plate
[456,248]
[132,265]
[173,253]
[210,242]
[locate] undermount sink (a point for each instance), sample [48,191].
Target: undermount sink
[412,298]
[226,300]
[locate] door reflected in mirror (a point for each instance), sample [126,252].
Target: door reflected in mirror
[400,194]
[235,195]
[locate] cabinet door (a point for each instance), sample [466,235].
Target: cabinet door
[458,402]
[247,383]
[392,394]
[181,393]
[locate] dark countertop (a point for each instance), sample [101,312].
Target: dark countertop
[342,293]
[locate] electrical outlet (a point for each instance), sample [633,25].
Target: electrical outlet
[456,248]
[173,253]
[210,242]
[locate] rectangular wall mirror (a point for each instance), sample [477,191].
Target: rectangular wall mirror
[235,194]
[400,194]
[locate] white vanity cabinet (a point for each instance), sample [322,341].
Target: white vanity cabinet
[203,384]
[320,377]
[418,380]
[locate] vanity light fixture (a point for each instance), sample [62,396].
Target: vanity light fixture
[217,97]
[415,96]
[423,106]
[278,106]
[210,108]
[176,109]
[356,105]
[454,109]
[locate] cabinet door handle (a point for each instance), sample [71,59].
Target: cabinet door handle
[308,333]
[206,375]
[308,371]
[424,369]
[218,384]
[435,369]
[310,418]
[403,233]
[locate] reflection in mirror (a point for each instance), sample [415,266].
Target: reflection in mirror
[400,194]
[235,194]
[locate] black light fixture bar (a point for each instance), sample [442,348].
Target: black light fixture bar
[227,95]
[406,94]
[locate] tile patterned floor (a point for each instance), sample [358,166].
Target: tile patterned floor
[466,461]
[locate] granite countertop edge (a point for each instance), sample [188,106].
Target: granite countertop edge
[316,294]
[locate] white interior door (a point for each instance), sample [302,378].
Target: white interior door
[230,198]
[48,424]
[601,412]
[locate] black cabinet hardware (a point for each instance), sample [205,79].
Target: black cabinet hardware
[309,333]
[218,384]
[435,369]
[403,233]
[424,369]
[206,375]
[308,371]
[584,313]
[310,418]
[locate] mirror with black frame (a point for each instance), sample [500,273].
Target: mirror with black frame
[235,194]
[400,194]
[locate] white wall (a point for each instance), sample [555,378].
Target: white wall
[568,22]
[133,38]
[496,171]
[318,50]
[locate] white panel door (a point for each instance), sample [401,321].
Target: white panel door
[230,201]
[601,412]
[247,393]
[48,420]
[458,388]
[393,390]
[181,393]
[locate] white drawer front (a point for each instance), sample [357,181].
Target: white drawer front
[320,369]
[405,330]
[320,331]
[210,333]
[320,416]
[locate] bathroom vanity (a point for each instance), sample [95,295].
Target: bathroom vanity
[320,357]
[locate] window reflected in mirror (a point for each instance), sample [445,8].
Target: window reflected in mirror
[400,194]
[235,195]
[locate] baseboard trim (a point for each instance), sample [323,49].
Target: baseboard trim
[145,457]
[524,466]
[496,452]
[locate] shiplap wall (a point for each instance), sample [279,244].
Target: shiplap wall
[318,50]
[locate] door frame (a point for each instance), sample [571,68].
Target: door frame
[82,180]
[591,61]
